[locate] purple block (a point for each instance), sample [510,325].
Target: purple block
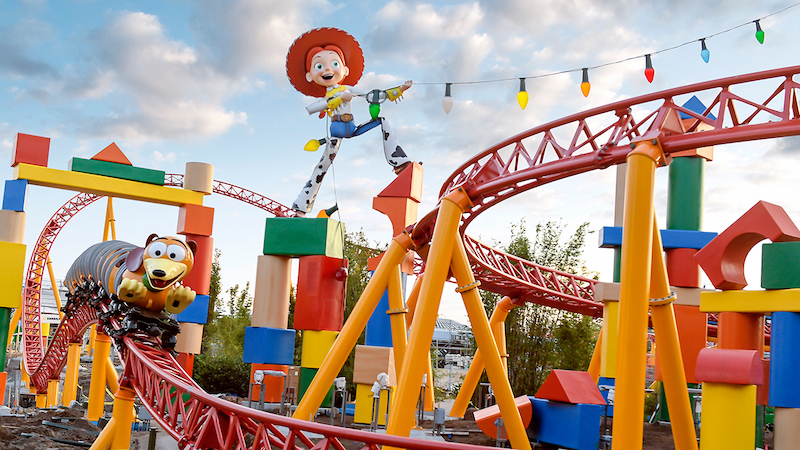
[575,426]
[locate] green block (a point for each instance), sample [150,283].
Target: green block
[115,170]
[306,375]
[780,265]
[685,193]
[296,236]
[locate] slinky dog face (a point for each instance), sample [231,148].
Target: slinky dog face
[166,260]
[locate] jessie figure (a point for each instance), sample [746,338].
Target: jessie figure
[327,63]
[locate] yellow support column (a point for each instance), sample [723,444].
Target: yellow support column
[597,355]
[609,339]
[352,328]
[41,399]
[13,325]
[52,393]
[123,418]
[92,339]
[637,243]
[112,379]
[97,388]
[397,316]
[54,286]
[71,379]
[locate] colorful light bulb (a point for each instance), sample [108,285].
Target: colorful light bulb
[649,72]
[704,53]
[585,85]
[759,32]
[447,101]
[522,95]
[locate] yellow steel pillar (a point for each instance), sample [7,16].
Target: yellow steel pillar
[52,393]
[112,379]
[594,364]
[71,379]
[352,329]
[97,388]
[123,418]
[637,246]
[397,315]
[411,304]
[41,399]
[12,327]
[609,335]
[109,223]
[92,339]
[54,286]
[669,349]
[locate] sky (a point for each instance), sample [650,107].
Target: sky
[172,82]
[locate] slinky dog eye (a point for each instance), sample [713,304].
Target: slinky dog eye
[176,252]
[157,249]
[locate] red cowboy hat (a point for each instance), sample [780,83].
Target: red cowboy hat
[320,37]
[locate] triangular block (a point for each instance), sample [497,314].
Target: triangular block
[408,184]
[113,154]
[570,386]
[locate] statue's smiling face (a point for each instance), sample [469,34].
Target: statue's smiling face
[327,69]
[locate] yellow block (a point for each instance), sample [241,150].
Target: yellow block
[751,301]
[190,338]
[316,345]
[12,273]
[729,417]
[12,226]
[100,185]
[364,404]
[787,428]
[370,361]
[608,355]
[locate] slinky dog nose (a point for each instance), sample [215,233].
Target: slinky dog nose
[159,273]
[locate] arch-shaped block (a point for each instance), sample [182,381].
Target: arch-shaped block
[717,365]
[723,258]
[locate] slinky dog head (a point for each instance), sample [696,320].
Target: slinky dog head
[165,260]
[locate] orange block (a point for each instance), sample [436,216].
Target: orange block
[717,365]
[570,386]
[486,417]
[408,184]
[3,378]
[186,360]
[692,330]
[402,212]
[199,277]
[762,391]
[29,149]
[273,386]
[737,330]
[723,258]
[195,219]
[112,154]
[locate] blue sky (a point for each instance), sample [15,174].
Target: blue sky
[178,81]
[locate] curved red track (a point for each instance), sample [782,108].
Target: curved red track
[560,149]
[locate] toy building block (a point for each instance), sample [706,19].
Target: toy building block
[729,366]
[15,194]
[723,258]
[307,375]
[787,428]
[570,386]
[762,392]
[199,177]
[780,265]
[195,219]
[268,346]
[685,194]
[751,301]
[272,292]
[112,154]
[371,361]
[682,269]
[116,170]
[321,284]
[364,404]
[273,385]
[692,333]
[784,360]
[114,187]
[729,417]
[199,278]
[486,417]
[29,149]
[190,338]
[407,184]
[316,345]
[379,327]
[196,312]
[12,268]
[611,237]
[12,226]
[402,212]
[292,236]
[3,379]
[186,361]
[565,424]
[737,330]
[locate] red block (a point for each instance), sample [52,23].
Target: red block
[113,154]
[186,360]
[486,417]
[723,258]
[29,149]
[682,269]
[321,288]
[199,277]
[408,184]
[762,391]
[718,365]
[570,386]
[195,219]
[692,330]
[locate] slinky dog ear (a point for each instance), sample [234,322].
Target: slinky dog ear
[150,239]
[134,260]
[192,246]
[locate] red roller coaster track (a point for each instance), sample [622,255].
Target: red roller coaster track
[563,148]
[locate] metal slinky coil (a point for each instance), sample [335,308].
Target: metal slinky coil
[103,262]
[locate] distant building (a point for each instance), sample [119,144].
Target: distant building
[452,345]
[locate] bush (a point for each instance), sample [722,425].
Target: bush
[222,374]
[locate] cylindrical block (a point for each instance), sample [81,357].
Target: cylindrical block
[12,226]
[271,296]
[787,428]
[784,360]
[729,417]
[190,338]
[199,277]
[741,331]
[199,177]
[682,268]
[685,193]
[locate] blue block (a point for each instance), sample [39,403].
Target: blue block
[196,312]
[264,345]
[14,195]
[603,381]
[784,362]
[611,237]
[575,426]
[696,106]
[379,328]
